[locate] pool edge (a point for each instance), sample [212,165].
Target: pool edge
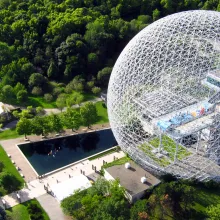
[64,167]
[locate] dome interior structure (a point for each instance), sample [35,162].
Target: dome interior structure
[164,96]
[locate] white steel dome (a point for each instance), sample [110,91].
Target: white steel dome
[164,94]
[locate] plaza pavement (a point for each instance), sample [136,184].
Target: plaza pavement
[35,188]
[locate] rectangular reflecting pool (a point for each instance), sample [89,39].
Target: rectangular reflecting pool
[49,155]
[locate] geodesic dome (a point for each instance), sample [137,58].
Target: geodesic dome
[164,94]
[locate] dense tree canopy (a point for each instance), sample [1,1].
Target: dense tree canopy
[59,40]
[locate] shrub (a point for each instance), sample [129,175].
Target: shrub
[37,91]
[57,91]
[96,90]
[22,95]
[48,97]
[9,182]
[35,212]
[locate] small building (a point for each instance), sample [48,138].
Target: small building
[133,178]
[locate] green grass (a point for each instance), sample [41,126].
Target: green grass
[9,167]
[103,154]
[205,198]
[36,101]
[170,146]
[9,134]
[89,96]
[147,150]
[120,161]
[20,212]
[102,113]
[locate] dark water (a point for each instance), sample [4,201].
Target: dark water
[46,156]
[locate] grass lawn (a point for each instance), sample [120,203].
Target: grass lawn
[20,212]
[9,167]
[205,198]
[120,161]
[147,150]
[36,101]
[102,113]
[170,146]
[89,96]
[9,134]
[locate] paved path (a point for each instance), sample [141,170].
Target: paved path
[52,207]
[57,111]
[35,188]
[19,159]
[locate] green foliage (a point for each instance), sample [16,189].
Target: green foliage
[120,161]
[104,200]
[56,123]
[138,208]
[88,114]
[213,212]
[37,79]
[27,211]
[96,90]
[61,101]
[24,126]
[65,39]
[10,168]
[74,98]
[35,211]
[48,97]
[41,125]
[9,182]
[103,75]
[7,94]
[1,166]
[37,91]
[71,119]
[22,96]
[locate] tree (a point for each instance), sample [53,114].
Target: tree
[56,123]
[104,200]
[40,110]
[103,76]
[61,101]
[138,208]
[19,87]
[156,14]
[22,96]
[88,114]
[74,98]
[9,182]
[52,69]
[41,125]
[71,119]
[37,79]
[37,91]
[7,94]
[96,90]
[213,212]
[24,126]
[48,97]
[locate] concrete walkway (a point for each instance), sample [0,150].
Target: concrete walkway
[35,188]
[52,207]
[57,111]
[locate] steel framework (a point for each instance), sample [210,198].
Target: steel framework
[164,95]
